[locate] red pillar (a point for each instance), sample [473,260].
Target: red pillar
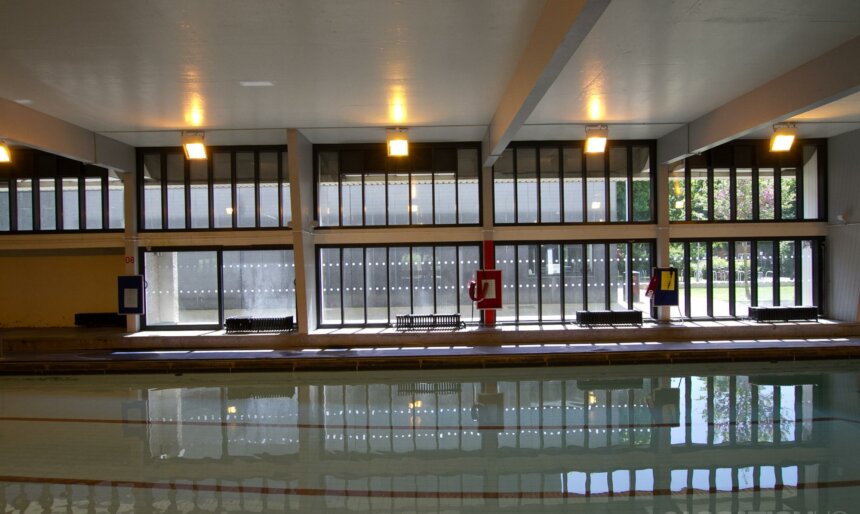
[489,315]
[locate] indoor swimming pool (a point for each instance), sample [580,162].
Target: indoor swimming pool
[734,437]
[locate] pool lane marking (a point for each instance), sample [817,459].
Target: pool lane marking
[250,424]
[369,493]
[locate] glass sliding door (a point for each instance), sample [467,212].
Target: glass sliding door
[259,283]
[182,288]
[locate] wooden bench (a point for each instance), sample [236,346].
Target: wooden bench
[611,318]
[768,314]
[428,321]
[238,325]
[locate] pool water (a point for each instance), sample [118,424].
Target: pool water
[756,437]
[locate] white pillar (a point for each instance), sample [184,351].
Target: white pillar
[300,157]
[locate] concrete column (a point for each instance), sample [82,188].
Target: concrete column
[300,157]
[132,267]
[663,232]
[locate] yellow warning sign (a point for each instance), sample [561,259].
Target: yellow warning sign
[667,280]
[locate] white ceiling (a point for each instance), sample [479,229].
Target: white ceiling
[140,71]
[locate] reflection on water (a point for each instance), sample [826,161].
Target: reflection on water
[733,438]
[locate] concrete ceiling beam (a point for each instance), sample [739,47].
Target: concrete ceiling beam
[560,29]
[27,127]
[822,80]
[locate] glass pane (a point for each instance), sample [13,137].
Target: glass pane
[743,279]
[786,273]
[182,288]
[720,277]
[596,188]
[550,282]
[4,206]
[503,188]
[596,278]
[573,185]
[527,185]
[470,260]
[641,183]
[374,190]
[116,201]
[807,273]
[269,207]
[94,203]
[199,193]
[398,199]
[25,203]
[330,284]
[353,285]
[259,283]
[223,191]
[618,184]
[698,279]
[351,194]
[550,200]
[743,186]
[246,195]
[47,204]
[152,176]
[445,193]
[788,192]
[765,194]
[175,191]
[676,260]
[527,288]
[810,182]
[71,207]
[573,280]
[698,187]
[399,283]
[423,275]
[618,276]
[446,280]
[421,193]
[286,199]
[765,273]
[722,194]
[641,261]
[506,260]
[329,201]
[376,277]
[468,193]
[677,193]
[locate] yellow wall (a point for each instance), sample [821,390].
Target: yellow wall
[47,291]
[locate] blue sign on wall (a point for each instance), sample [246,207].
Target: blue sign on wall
[130,294]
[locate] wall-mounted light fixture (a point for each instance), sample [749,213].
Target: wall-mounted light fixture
[194,146]
[783,137]
[5,153]
[397,141]
[595,138]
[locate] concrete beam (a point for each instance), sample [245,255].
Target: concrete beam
[560,29]
[826,78]
[31,128]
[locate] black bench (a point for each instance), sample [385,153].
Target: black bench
[237,325]
[99,320]
[766,314]
[428,321]
[591,318]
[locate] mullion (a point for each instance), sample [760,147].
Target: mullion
[340,270]
[257,205]
[433,251]
[755,187]
[457,197]
[584,173]
[163,157]
[538,259]
[538,188]
[607,212]
[733,190]
[688,202]
[219,262]
[800,212]
[363,198]
[433,200]
[606,263]
[186,171]
[629,183]
[562,256]
[561,193]
[364,282]
[411,267]
[36,201]
[798,272]
[709,162]
[234,194]
[583,262]
[388,283]
[280,158]
[776,279]
[516,195]
[210,184]
[688,309]
[82,201]
[777,192]
[629,284]
[339,193]
[753,272]
[732,278]
[105,201]
[58,199]
[709,278]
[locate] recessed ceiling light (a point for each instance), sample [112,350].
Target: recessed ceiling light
[24,101]
[256,83]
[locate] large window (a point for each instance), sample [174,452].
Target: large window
[543,183]
[41,192]
[549,282]
[358,185]
[361,285]
[233,188]
[723,278]
[204,287]
[745,181]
